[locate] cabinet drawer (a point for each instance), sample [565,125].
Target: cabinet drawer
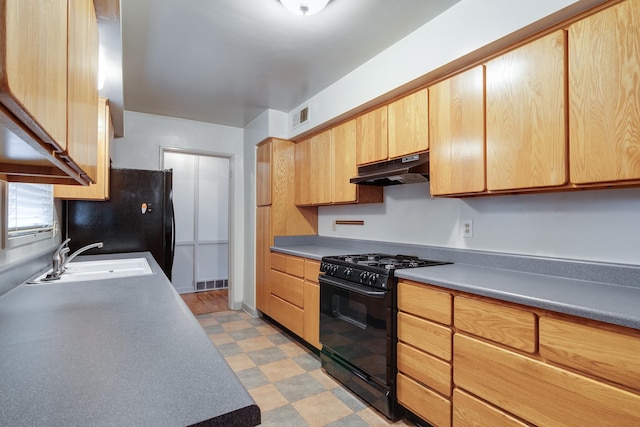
[311,270]
[288,288]
[428,336]
[424,302]
[505,325]
[471,412]
[278,262]
[423,402]
[288,315]
[537,392]
[608,354]
[424,368]
[294,266]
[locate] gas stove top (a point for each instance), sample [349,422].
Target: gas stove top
[373,269]
[388,262]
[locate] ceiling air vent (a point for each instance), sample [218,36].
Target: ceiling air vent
[301,117]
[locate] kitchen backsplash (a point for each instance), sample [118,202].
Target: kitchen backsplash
[586,225]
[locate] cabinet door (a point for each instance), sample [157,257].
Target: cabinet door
[371,136]
[99,190]
[456,129]
[33,69]
[82,120]
[312,314]
[303,172]
[321,168]
[343,155]
[526,125]
[604,112]
[263,256]
[408,125]
[263,174]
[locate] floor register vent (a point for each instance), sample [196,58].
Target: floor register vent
[212,284]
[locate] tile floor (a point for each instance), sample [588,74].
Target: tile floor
[284,377]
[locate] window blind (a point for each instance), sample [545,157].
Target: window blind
[30,208]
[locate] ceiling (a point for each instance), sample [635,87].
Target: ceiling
[226,61]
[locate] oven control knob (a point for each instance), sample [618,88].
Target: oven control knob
[373,278]
[364,276]
[347,272]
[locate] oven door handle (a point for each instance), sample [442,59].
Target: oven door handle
[351,287]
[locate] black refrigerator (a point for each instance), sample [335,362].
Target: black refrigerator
[138,217]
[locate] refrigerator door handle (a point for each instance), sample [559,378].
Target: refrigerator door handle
[173,233]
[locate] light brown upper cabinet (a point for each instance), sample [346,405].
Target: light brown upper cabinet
[408,125]
[99,190]
[324,165]
[372,137]
[604,113]
[321,168]
[456,129]
[48,91]
[34,69]
[313,170]
[343,166]
[263,175]
[526,124]
[82,78]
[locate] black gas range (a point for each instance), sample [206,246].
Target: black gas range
[358,332]
[373,270]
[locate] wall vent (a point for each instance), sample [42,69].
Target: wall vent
[212,284]
[301,116]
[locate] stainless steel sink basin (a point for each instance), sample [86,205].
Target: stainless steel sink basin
[99,270]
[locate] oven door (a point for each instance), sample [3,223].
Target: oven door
[356,327]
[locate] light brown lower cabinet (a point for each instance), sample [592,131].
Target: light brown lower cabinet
[538,392]
[423,402]
[469,411]
[512,365]
[312,303]
[294,299]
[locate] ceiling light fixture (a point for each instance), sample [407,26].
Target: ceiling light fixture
[304,7]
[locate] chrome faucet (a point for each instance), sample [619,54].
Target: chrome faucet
[60,260]
[59,257]
[78,252]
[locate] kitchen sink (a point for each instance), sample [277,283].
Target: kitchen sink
[99,270]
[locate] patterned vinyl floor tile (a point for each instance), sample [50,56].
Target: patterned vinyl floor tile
[284,377]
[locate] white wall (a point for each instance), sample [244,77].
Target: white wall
[145,134]
[596,225]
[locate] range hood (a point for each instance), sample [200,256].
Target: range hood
[405,170]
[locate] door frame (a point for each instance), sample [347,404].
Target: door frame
[230,233]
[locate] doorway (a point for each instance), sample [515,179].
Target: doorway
[201,198]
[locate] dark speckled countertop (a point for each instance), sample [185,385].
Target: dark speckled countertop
[594,290]
[113,352]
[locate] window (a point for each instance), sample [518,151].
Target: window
[29,209]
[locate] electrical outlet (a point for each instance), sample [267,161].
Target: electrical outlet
[466,228]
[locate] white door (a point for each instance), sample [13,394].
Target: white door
[201,203]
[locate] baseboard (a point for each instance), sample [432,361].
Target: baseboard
[251,311]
